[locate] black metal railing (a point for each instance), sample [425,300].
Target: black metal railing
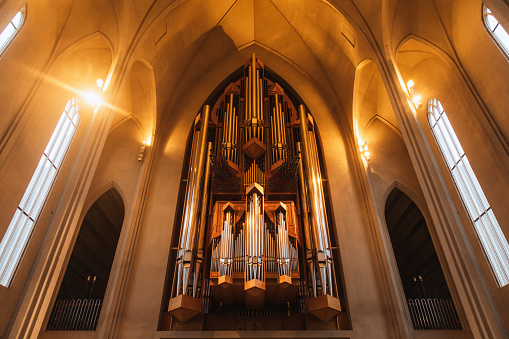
[75,315]
[433,314]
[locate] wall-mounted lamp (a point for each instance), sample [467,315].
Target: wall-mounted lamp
[416,99]
[141,154]
[365,151]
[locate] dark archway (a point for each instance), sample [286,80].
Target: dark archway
[422,277]
[86,277]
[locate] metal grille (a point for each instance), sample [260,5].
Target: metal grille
[433,314]
[75,315]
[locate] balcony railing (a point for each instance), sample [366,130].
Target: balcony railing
[75,315]
[433,314]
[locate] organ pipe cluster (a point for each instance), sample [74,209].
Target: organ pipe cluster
[278,131]
[241,238]
[230,131]
[255,231]
[191,237]
[318,241]
[254,102]
[254,173]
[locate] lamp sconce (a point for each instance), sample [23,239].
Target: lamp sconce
[141,155]
[365,151]
[416,99]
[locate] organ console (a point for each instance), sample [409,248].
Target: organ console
[254,228]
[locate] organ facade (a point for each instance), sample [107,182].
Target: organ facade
[254,232]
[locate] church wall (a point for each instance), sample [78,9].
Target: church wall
[484,63]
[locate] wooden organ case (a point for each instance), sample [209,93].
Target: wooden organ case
[254,235]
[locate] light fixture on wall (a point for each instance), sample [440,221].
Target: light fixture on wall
[365,151]
[416,99]
[99,83]
[141,154]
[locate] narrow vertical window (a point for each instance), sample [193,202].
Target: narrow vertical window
[11,30]
[496,31]
[18,233]
[486,225]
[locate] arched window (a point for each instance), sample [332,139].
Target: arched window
[12,29]
[22,224]
[496,31]
[486,225]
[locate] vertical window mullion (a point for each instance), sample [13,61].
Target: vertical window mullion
[55,135]
[59,140]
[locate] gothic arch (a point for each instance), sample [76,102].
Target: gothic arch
[93,197]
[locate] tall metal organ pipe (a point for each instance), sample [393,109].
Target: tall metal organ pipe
[203,220]
[317,203]
[190,218]
[283,251]
[307,235]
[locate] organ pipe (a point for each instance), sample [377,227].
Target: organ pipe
[317,202]
[190,220]
[282,242]
[203,220]
[305,219]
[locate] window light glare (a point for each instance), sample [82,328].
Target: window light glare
[92,98]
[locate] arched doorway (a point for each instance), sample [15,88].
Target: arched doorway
[429,298]
[83,287]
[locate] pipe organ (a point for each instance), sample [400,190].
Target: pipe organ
[254,229]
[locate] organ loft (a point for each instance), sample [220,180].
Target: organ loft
[255,238]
